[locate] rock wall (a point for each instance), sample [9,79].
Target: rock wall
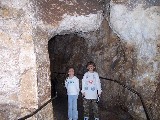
[137,23]
[18,86]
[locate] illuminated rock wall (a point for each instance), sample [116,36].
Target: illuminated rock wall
[137,23]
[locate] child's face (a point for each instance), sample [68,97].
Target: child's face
[90,68]
[71,72]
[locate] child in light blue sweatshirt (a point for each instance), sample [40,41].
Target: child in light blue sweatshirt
[91,90]
[72,86]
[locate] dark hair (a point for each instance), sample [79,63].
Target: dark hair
[69,67]
[90,63]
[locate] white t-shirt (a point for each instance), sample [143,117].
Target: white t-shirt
[72,86]
[91,85]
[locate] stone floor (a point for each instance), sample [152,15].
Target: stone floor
[60,110]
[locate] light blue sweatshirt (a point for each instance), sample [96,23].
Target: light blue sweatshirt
[72,86]
[91,85]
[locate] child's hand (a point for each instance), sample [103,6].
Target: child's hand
[99,95]
[83,94]
[98,98]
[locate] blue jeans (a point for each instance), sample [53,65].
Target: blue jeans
[72,107]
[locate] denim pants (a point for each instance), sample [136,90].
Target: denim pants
[72,107]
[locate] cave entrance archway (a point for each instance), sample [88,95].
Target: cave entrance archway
[65,50]
[71,50]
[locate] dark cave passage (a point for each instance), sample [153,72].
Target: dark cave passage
[65,50]
[71,50]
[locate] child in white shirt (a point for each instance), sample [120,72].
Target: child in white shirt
[91,90]
[72,86]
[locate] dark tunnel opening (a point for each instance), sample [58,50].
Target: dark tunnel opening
[72,50]
[64,51]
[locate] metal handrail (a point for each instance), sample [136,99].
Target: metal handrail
[123,85]
[37,110]
[135,92]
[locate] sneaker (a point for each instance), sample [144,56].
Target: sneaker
[96,118]
[86,118]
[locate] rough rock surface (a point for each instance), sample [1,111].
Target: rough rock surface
[138,23]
